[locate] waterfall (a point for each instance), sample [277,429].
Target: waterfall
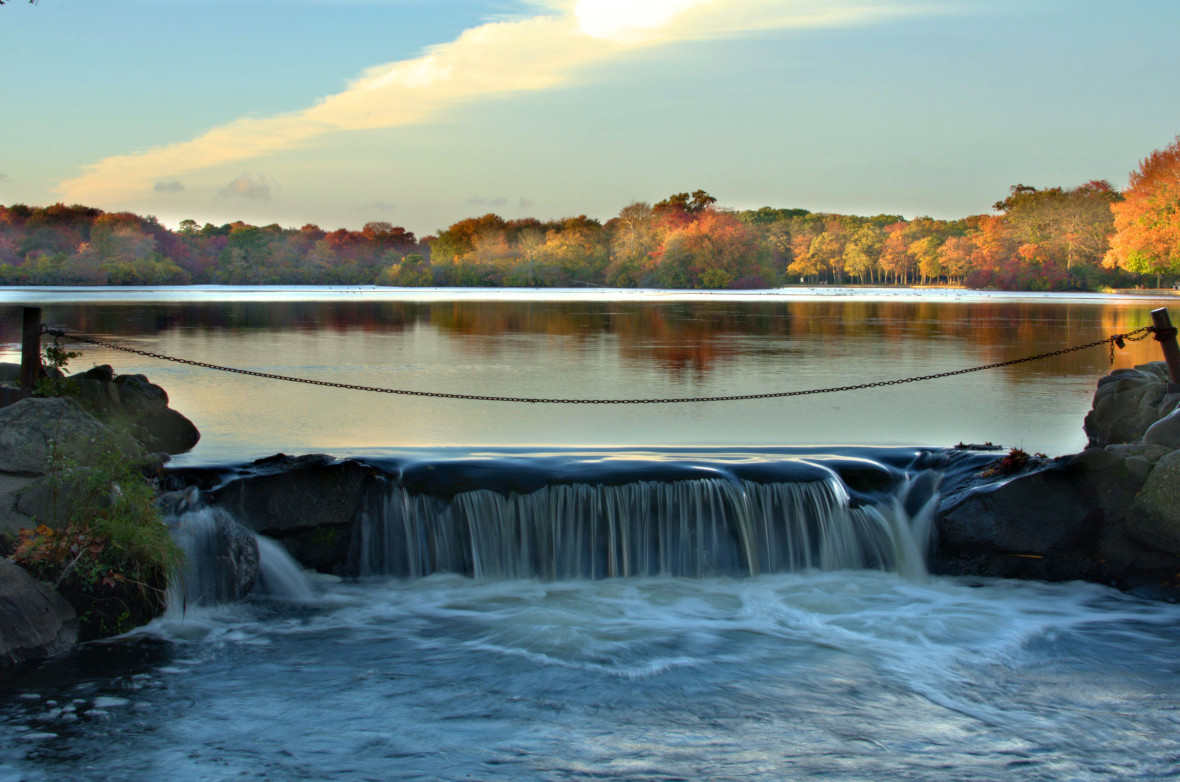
[225,561]
[695,528]
[279,575]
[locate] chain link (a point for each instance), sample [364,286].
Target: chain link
[1113,340]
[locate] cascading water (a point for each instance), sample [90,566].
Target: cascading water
[225,561]
[279,575]
[692,528]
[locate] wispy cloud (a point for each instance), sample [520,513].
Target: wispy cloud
[540,52]
[480,201]
[3,177]
[247,186]
[172,186]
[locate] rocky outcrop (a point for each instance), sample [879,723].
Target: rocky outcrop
[1127,402]
[309,503]
[1109,514]
[38,434]
[139,406]
[48,446]
[35,621]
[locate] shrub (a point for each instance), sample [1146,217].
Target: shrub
[114,558]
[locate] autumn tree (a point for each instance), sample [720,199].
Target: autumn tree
[634,236]
[862,252]
[1067,230]
[689,203]
[1147,221]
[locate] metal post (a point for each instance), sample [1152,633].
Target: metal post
[30,348]
[1165,334]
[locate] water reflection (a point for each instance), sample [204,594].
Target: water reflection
[598,348]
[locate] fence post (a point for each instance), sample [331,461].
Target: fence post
[1165,333]
[30,348]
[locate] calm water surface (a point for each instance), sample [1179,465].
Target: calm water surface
[846,675]
[603,345]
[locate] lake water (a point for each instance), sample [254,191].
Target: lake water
[603,344]
[833,674]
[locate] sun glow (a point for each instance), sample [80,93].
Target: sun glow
[627,20]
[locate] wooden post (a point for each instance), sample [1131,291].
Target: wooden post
[30,348]
[1166,335]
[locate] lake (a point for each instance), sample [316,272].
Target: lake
[603,344]
[813,671]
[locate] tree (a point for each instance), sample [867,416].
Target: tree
[689,203]
[1147,221]
[1071,227]
[863,252]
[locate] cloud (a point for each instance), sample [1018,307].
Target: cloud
[542,52]
[377,206]
[478,201]
[525,203]
[172,186]
[247,186]
[3,177]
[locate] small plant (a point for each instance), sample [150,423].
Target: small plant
[56,358]
[114,558]
[1015,461]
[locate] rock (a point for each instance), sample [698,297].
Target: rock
[1164,432]
[34,432]
[11,520]
[1036,513]
[1105,480]
[221,556]
[160,428]
[308,503]
[52,499]
[133,402]
[35,621]
[1126,403]
[1154,517]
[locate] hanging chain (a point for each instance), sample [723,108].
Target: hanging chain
[1116,339]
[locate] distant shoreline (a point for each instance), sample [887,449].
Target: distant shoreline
[62,294]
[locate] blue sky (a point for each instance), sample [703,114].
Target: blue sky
[422,112]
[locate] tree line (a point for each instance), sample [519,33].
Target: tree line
[1079,238]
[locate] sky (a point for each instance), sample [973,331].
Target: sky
[424,112]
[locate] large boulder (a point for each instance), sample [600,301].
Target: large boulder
[307,503]
[1154,516]
[38,436]
[1127,402]
[35,621]
[1164,432]
[133,402]
[1109,514]
[1037,513]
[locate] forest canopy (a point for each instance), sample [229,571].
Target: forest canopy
[1079,238]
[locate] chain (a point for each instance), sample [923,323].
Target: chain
[1116,339]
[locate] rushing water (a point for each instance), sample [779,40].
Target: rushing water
[654,667]
[841,675]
